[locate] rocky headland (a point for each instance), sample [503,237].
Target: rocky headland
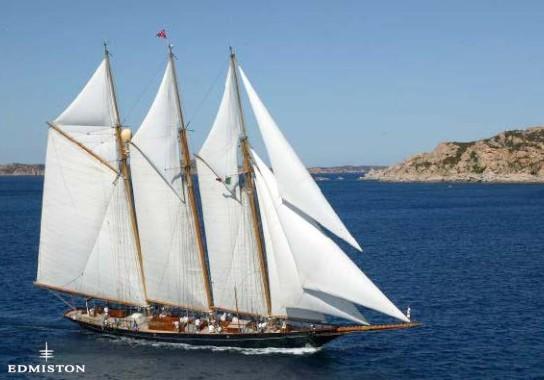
[347,169]
[515,156]
[21,169]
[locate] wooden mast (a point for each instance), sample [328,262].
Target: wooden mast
[185,161]
[122,148]
[250,188]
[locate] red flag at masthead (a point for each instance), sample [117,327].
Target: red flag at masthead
[162,34]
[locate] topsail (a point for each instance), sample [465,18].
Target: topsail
[231,244]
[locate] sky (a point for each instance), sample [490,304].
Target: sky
[348,82]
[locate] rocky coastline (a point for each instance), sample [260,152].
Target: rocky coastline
[17,169]
[515,156]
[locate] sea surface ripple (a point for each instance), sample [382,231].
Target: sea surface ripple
[467,258]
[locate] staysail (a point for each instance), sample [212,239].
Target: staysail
[87,242]
[312,262]
[324,271]
[173,272]
[287,285]
[232,247]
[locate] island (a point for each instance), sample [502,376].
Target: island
[345,169]
[515,156]
[21,169]
[38,169]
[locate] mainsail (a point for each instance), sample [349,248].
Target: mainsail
[234,266]
[88,243]
[173,270]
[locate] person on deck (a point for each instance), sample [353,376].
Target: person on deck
[183,321]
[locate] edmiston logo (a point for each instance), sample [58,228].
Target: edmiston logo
[46,354]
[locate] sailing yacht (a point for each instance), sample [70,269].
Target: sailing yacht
[254,266]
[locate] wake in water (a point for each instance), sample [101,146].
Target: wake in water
[308,350]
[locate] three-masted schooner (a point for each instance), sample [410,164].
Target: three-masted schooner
[121,227]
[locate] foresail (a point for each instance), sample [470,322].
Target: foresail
[330,305]
[87,242]
[173,273]
[83,209]
[324,273]
[113,270]
[327,269]
[295,184]
[230,240]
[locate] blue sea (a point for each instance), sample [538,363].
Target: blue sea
[467,258]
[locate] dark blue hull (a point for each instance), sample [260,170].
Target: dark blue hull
[291,339]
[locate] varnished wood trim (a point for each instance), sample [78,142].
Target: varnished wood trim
[250,191]
[181,306]
[185,161]
[392,326]
[125,173]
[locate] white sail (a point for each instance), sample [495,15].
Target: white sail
[232,249]
[172,267]
[90,116]
[322,269]
[87,245]
[112,269]
[286,288]
[94,105]
[325,268]
[295,184]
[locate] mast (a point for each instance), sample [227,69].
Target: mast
[185,161]
[123,150]
[250,188]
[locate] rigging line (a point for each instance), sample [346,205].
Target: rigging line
[157,171]
[157,71]
[81,146]
[206,95]
[62,299]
